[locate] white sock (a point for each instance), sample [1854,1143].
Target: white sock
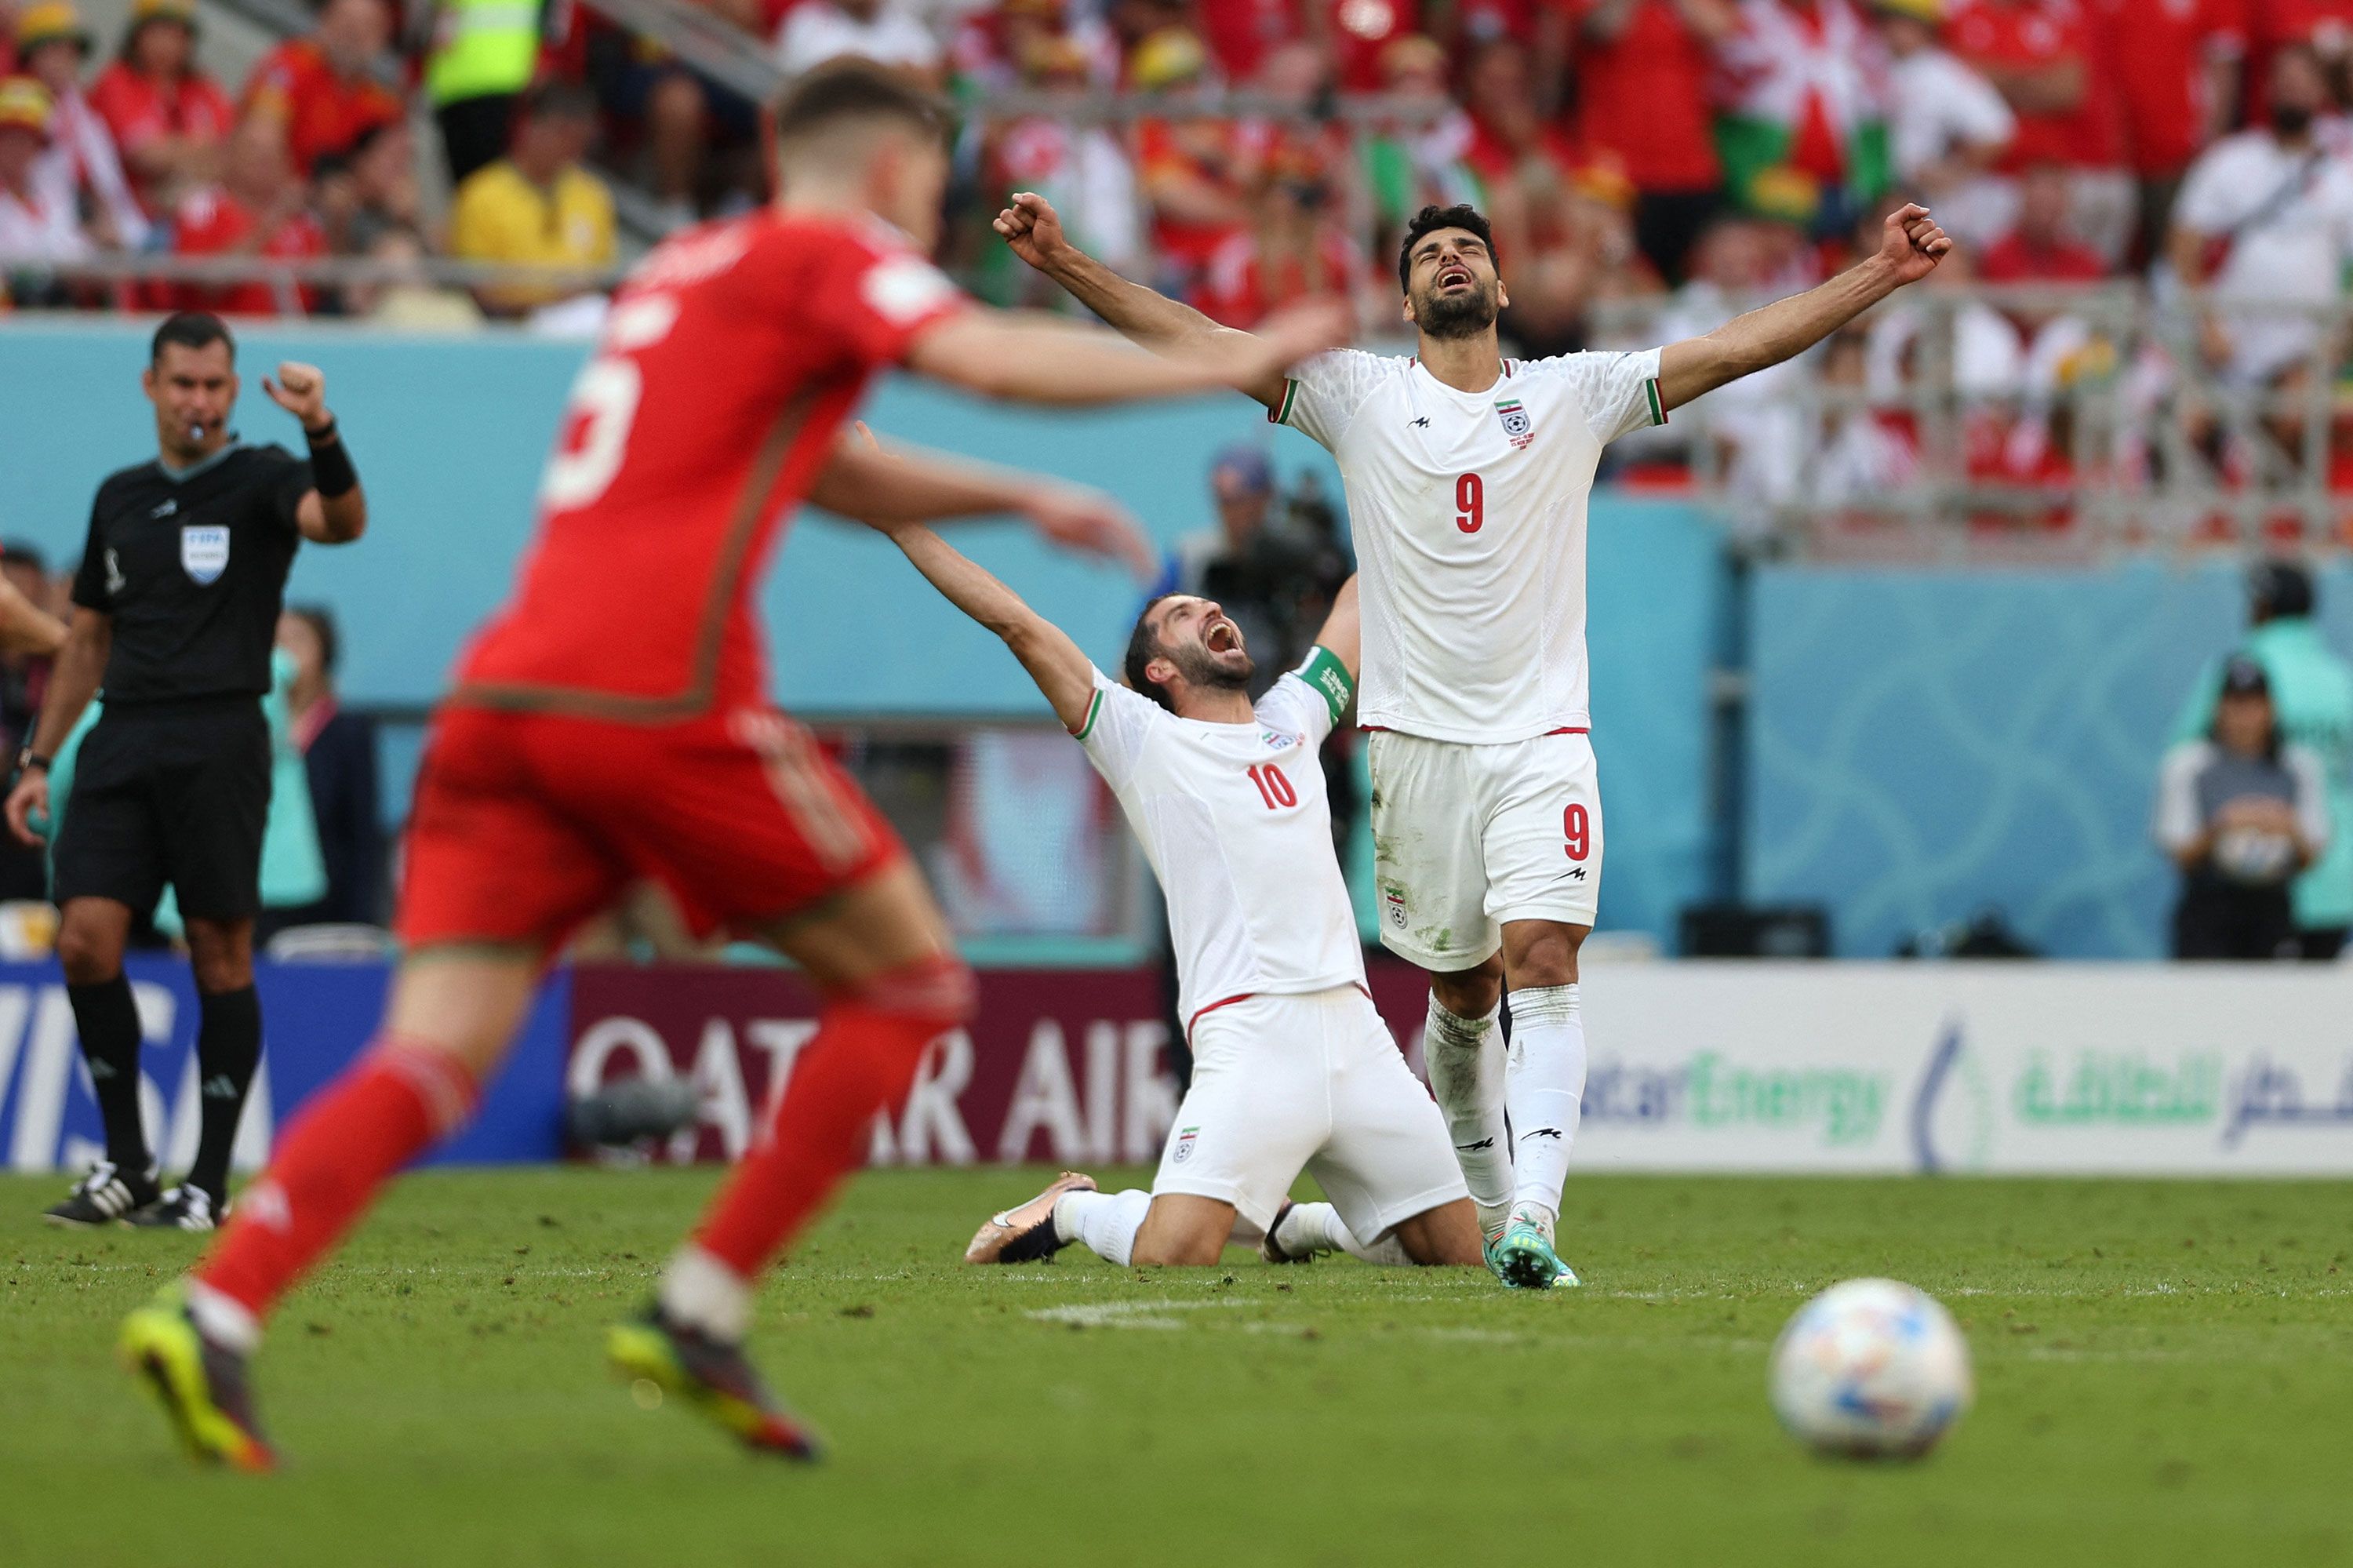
[1317,1227]
[1544,1087]
[1466,1077]
[222,1318]
[1105,1222]
[698,1290]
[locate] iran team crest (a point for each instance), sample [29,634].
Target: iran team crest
[1517,423]
[204,552]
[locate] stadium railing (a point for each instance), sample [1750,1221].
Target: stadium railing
[2040,422]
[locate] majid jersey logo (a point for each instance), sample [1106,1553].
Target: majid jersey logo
[1517,423]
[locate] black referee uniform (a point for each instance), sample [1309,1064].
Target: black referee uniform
[175,615]
[172,783]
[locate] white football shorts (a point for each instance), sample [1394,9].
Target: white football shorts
[1283,1084]
[1467,837]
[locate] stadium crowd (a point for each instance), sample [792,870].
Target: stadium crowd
[1659,159]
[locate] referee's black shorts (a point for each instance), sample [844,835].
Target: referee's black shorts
[174,793]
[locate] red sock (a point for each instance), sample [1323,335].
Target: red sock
[862,1059]
[387,1108]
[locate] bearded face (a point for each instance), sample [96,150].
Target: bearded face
[1455,290]
[1206,646]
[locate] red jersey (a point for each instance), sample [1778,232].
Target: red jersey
[140,110]
[2326,25]
[2028,34]
[1218,152]
[2013,260]
[1243,286]
[211,222]
[2159,52]
[1641,95]
[1240,33]
[322,113]
[731,358]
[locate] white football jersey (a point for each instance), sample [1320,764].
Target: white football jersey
[1468,509]
[1234,821]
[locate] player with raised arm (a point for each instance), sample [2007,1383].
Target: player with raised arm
[1292,1067]
[613,722]
[1467,476]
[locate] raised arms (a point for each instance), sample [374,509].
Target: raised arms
[323,519]
[1342,633]
[1910,247]
[1053,661]
[1031,360]
[1030,226]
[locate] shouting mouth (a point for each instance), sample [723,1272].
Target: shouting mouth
[1455,276]
[1221,637]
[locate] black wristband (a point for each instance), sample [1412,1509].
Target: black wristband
[331,474]
[28,759]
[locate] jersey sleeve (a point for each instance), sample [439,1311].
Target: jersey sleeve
[1119,723]
[1620,391]
[90,589]
[1322,396]
[1311,698]
[284,483]
[894,297]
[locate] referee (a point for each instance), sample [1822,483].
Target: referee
[175,610]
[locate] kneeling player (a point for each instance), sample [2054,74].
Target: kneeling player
[1292,1067]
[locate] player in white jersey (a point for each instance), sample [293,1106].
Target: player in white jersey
[1467,475]
[1293,1067]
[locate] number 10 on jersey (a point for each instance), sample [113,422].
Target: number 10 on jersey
[1273,787]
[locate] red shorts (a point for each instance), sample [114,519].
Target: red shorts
[527,824]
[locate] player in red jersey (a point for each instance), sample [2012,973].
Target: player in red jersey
[612,724]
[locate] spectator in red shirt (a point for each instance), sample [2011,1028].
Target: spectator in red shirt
[2176,65]
[169,119]
[2039,249]
[1240,33]
[1469,25]
[1362,31]
[317,93]
[2324,26]
[2037,54]
[257,208]
[1640,68]
[1194,171]
[1295,248]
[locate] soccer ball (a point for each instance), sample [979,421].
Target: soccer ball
[1870,1368]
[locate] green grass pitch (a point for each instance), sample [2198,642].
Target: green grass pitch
[2165,1376]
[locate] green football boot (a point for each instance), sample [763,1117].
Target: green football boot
[1523,1260]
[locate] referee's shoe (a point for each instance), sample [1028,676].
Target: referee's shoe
[184,1208]
[105,1196]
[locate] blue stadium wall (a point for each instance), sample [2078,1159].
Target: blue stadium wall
[1925,745]
[1920,745]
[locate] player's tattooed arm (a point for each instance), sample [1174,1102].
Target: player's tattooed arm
[1911,245]
[1033,230]
[1045,649]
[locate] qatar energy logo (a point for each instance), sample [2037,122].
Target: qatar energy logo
[1827,1105]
